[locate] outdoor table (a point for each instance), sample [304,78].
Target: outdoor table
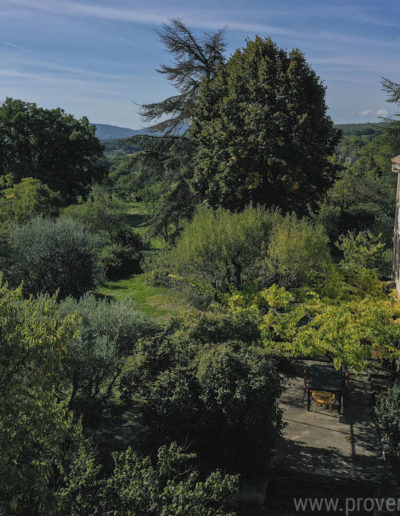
[326,378]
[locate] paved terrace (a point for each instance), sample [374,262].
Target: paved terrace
[343,446]
[319,456]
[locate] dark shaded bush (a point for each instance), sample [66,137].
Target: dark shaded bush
[50,256]
[220,399]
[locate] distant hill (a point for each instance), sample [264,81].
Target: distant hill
[112,132]
[362,129]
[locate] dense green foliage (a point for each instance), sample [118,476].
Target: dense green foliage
[365,251]
[122,178]
[387,412]
[46,466]
[105,216]
[297,253]
[137,487]
[164,165]
[363,197]
[108,332]
[220,251]
[348,321]
[101,213]
[262,132]
[280,237]
[26,200]
[54,256]
[202,393]
[37,433]
[50,146]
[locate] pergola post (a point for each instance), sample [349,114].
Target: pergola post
[396,236]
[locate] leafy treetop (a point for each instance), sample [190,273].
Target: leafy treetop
[49,145]
[262,131]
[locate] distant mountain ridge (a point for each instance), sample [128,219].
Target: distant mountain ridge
[113,132]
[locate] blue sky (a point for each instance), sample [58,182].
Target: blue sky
[98,58]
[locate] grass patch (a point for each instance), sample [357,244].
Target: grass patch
[137,217]
[157,302]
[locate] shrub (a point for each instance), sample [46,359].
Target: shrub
[297,253]
[365,250]
[101,213]
[136,486]
[37,433]
[220,398]
[218,250]
[123,256]
[387,412]
[218,326]
[221,252]
[109,331]
[105,216]
[50,256]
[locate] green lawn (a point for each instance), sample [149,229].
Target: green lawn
[158,302]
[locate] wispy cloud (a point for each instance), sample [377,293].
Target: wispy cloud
[95,11]
[380,113]
[361,63]
[194,17]
[367,113]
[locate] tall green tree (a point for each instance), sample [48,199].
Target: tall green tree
[262,132]
[195,60]
[49,145]
[167,158]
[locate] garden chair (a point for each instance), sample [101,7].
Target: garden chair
[323,398]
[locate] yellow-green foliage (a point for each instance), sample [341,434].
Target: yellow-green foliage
[351,327]
[220,251]
[297,252]
[101,213]
[27,199]
[366,250]
[35,427]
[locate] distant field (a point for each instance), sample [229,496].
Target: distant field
[157,302]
